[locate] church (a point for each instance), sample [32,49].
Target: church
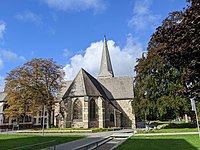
[102,102]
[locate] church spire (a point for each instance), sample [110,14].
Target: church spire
[106,70]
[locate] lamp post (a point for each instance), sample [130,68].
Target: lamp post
[43,121]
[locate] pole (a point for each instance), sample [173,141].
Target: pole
[195,110]
[43,121]
[197,122]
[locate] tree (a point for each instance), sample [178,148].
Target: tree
[156,85]
[181,45]
[169,73]
[31,87]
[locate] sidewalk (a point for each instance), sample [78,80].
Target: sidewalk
[75,144]
[92,137]
[175,133]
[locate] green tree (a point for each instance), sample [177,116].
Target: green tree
[181,45]
[156,89]
[169,73]
[32,86]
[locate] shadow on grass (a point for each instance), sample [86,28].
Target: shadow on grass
[156,144]
[22,140]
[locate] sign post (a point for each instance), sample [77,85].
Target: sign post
[195,110]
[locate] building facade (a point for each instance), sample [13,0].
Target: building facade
[29,121]
[87,102]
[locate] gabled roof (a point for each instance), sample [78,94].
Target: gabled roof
[84,85]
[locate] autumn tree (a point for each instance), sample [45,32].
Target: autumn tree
[32,87]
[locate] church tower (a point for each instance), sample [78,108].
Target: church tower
[106,70]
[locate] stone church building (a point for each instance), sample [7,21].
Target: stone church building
[87,102]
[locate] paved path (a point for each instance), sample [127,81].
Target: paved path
[175,133]
[94,137]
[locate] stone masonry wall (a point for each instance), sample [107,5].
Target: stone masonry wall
[127,116]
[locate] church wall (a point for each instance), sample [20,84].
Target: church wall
[93,124]
[127,116]
[68,113]
[101,112]
[112,116]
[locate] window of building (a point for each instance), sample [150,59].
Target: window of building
[27,108]
[28,118]
[20,119]
[111,117]
[39,120]
[40,113]
[92,109]
[34,121]
[77,109]
[5,119]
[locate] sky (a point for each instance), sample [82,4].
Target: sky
[72,31]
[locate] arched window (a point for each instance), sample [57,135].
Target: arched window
[77,109]
[111,117]
[92,109]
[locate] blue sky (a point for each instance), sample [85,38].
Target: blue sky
[71,32]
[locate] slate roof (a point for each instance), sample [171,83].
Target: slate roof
[85,84]
[106,70]
[118,87]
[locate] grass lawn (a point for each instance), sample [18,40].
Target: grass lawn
[8,141]
[175,142]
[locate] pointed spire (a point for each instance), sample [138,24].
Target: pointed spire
[106,70]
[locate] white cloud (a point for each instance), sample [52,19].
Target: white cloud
[143,18]
[6,55]
[76,5]
[29,16]
[66,52]
[2,29]
[2,84]
[123,59]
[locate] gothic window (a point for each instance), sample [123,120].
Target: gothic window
[92,109]
[77,109]
[111,117]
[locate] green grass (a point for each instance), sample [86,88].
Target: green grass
[175,142]
[8,141]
